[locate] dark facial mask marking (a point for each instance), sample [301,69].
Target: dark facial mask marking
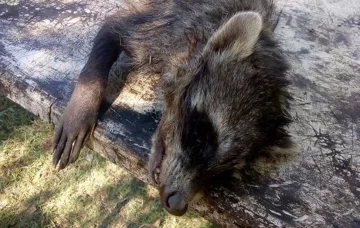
[199,139]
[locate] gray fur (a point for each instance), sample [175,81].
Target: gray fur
[222,77]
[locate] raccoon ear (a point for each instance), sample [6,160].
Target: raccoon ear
[239,34]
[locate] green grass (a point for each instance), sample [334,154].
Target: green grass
[93,192]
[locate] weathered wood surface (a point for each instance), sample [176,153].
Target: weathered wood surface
[44,44]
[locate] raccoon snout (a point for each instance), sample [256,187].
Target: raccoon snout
[174,202]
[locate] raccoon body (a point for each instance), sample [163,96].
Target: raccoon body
[223,79]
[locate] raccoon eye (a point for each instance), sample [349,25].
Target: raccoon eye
[160,146]
[159,153]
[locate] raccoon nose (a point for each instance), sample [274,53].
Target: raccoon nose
[175,204]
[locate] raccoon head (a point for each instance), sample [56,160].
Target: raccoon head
[221,106]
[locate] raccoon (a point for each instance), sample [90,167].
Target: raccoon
[223,82]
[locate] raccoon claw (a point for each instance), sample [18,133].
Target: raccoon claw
[66,147]
[76,125]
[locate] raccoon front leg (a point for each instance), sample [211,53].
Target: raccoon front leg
[81,112]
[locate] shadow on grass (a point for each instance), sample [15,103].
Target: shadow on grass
[30,216]
[133,188]
[12,116]
[90,193]
[29,212]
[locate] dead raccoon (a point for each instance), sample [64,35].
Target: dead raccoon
[223,78]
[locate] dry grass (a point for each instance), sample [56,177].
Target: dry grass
[93,192]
